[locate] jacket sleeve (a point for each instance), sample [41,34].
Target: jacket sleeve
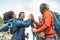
[25,23]
[17,23]
[38,23]
[46,24]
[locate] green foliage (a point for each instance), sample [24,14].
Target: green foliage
[1,21]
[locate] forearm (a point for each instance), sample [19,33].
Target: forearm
[37,23]
[43,28]
[23,23]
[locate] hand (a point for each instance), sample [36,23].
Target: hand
[31,16]
[34,30]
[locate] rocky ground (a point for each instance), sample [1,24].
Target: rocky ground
[5,35]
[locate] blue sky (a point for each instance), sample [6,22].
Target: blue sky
[13,2]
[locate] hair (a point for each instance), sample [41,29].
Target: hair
[21,13]
[44,6]
[5,16]
[8,15]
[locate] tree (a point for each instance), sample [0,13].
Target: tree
[1,21]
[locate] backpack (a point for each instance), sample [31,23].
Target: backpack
[56,22]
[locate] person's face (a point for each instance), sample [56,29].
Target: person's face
[22,15]
[14,15]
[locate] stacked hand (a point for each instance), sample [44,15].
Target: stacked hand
[31,16]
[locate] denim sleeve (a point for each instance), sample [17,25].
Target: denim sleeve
[17,23]
[25,23]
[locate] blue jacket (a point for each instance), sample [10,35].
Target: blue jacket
[16,24]
[20,32]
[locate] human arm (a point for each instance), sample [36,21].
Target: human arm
[47,23]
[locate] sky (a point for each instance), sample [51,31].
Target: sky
[27,6]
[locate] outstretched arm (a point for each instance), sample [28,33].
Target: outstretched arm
[46,24]
[25,23]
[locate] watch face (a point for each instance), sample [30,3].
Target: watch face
[1,21]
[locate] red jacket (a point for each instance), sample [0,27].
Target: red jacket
[47,27]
